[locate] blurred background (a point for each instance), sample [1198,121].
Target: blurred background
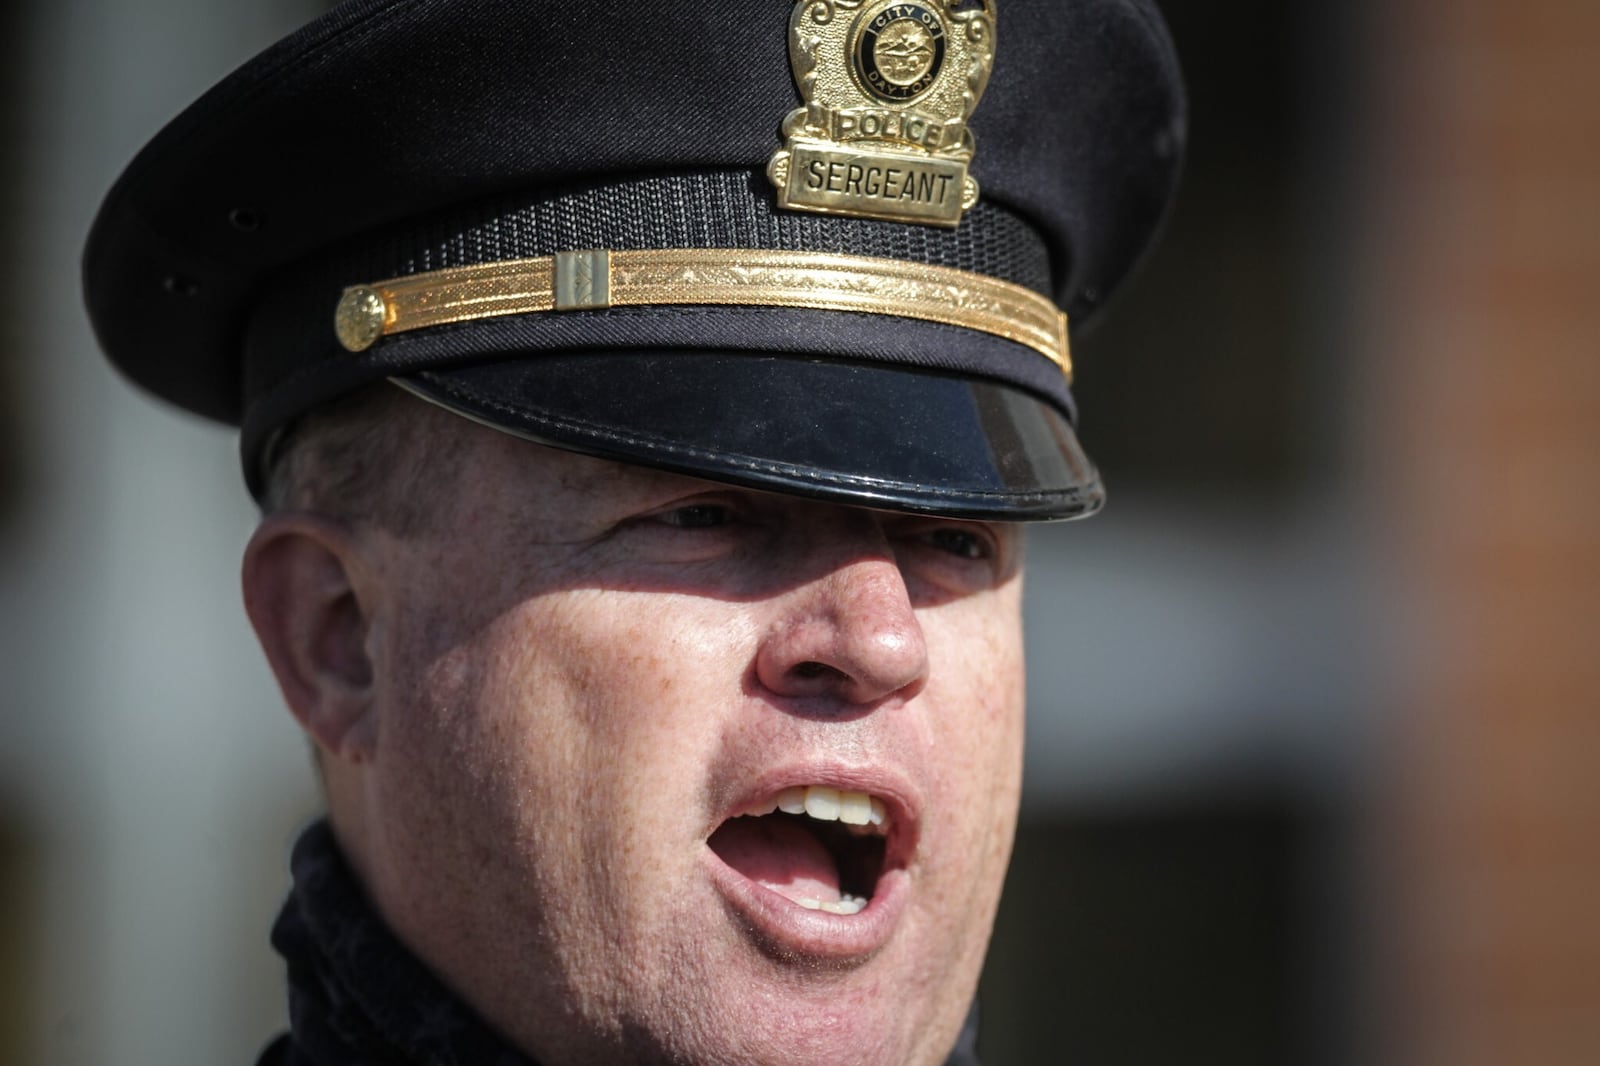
[1315,718]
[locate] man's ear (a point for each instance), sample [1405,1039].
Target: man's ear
[304,598]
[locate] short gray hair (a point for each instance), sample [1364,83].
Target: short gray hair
[378,456]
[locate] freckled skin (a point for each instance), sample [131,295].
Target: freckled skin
[576,670]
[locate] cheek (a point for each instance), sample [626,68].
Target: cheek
[582,721]
[626,680]
[976,725]
[549,764]
[619,693]
[975,656]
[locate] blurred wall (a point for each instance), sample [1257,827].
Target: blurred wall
[148,779]
[1482,375]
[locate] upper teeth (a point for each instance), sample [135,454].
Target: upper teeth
[827,805]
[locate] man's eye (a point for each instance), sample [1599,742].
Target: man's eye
[961,542]
[697,516]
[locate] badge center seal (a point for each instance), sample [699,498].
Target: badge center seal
[899,51]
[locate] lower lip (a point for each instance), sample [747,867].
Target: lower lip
[787,930]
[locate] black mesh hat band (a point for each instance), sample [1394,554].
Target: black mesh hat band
[722,208]
[289,329]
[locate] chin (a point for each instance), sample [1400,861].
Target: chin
[745,1001]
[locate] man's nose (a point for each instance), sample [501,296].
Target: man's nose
[851,634]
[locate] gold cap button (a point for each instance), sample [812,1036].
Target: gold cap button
[360,317]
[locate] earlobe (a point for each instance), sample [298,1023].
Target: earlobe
[305,601]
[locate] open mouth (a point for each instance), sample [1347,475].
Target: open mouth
[823,848]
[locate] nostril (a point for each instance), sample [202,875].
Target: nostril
[812,670]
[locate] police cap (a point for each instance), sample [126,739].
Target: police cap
[835,247]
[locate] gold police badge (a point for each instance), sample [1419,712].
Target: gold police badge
[888,88]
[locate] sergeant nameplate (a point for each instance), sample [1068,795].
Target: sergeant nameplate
[875,186]
[888,87]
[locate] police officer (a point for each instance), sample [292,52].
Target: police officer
[642,401]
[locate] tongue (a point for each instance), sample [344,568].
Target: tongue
[781,854]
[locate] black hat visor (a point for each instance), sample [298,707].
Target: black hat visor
[891,437]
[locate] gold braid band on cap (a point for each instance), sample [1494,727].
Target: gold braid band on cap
[822,281]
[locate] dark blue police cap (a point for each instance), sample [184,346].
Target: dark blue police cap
[827,247]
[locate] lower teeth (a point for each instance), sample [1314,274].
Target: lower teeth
[847,905]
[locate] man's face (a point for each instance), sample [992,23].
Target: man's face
[594,684]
